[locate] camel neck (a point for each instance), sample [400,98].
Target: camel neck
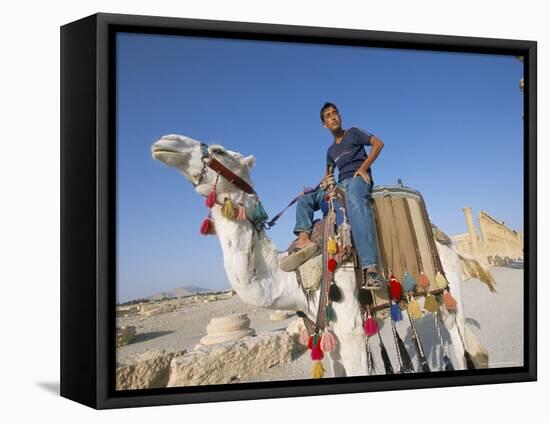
[251,262]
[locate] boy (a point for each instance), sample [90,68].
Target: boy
[347,152]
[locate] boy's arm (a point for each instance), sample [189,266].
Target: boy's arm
[329,173]
[376,146]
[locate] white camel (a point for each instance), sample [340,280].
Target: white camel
[251,263]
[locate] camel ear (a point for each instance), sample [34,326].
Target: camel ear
[249,161]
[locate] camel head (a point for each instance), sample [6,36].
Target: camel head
[186,155]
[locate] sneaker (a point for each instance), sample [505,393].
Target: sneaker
[372,280]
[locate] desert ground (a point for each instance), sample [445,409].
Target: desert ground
[496,319]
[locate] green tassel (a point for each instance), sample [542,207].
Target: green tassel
[331,316]
[259,216]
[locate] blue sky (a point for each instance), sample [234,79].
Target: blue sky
[451,123]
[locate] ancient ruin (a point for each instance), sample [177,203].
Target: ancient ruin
[497,244]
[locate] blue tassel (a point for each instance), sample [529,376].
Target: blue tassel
[396,313]
[260,216]
[408,282]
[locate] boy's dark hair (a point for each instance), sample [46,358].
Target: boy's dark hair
[325,107]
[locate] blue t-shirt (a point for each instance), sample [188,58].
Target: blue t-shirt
[350,154]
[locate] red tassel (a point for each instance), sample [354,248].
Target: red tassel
[316,352]
[332,265]
[370,326]
[310,343]
[206,226]
[211,199]
[449,301]
[395,288]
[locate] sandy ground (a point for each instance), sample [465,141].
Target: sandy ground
[496,319]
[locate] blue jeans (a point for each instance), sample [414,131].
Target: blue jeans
[359,215]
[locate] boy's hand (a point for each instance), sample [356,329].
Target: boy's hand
[363,174]
[327,181]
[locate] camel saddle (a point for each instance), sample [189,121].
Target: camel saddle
[405,241]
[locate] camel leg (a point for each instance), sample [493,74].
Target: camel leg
[350,356]
[457,351]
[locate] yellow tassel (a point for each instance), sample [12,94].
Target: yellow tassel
[414,309]
[227,210]
[431,304]
[332,247]
[318,371]
[440,281]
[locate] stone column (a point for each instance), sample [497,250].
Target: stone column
[471,230]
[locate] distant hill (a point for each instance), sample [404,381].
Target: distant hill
[182,291]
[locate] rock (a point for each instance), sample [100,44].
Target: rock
[147,370]
[124,335]
[126,311]
[294,329]
[223,363]
[227,328]
[279,315]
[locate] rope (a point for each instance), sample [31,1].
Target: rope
[271,223]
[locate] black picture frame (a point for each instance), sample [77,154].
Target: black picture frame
[88,200]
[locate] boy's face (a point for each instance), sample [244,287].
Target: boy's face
[331,119]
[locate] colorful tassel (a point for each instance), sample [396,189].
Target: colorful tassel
[344,233]
[331,315]
[259,216]
[207,226]
[370,326]
[395,288]
[227,209]
[332,248]
[431,304]
[408,282]
[440,281]
[241,212]
[331,265]
[310,343]
[423,281]
[318,371]
[386,359]
[334,293]
[211,199]
[396,313]
[404,354]
[316,352]
[365,297]
[328,341]
[449,301]
[414,309]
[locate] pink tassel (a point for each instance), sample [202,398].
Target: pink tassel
[449,301]
[241,213]
[371,327]
[328,342]
[304,337]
